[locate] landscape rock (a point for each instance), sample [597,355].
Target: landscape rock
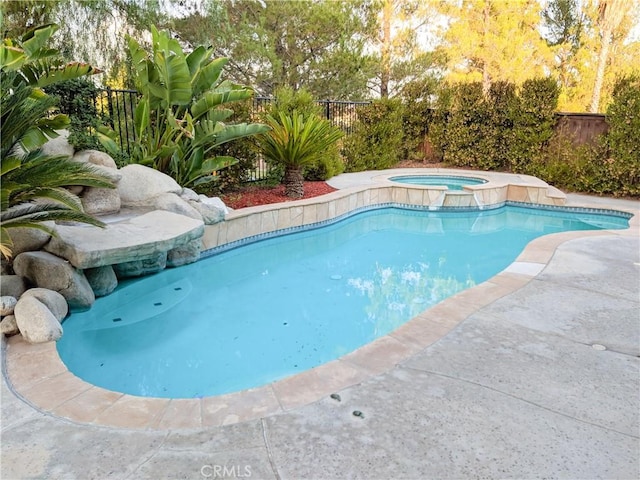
[59,145]
[188,194]
[138,268]
[36,322]
[103,280]
[170,202]
[76,189]
[100,201]
[215,202]
[95,157]
[8,326]
[185,254]
[12,285]
[134,238]
[7,304]
[53,300]
[5,266]
[113,175]
[54,273]
[139,184]
[29,239]
[209,213]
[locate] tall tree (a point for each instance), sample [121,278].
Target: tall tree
[611,14]
[318,44]
[492,40]
[563,26]
[403,57]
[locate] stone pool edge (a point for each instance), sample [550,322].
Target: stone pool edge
[36,374]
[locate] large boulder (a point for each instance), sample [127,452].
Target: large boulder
[9,326]
[54,273]
[209,211]
[59,145]
[137,268]
[185,254]
[214,202]
[139,184]
[54,301]
[29,239]
[12,285]
[103,280]
[188,194]
[100,201]
[170,202]
[95,157]
[7,304]
[36,322]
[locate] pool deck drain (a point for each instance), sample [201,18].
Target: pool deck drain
[496,365]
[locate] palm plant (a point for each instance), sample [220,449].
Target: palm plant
[32,184]
[296,141]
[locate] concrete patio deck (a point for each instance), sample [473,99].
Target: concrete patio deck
[543,382]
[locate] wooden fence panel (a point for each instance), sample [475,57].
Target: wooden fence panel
[582,128]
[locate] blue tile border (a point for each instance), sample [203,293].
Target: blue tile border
[405,206]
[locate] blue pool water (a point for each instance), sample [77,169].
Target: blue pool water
[276,307]
[452,182]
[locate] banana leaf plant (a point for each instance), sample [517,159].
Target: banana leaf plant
[180,117]
[32,185]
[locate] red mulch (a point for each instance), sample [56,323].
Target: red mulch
[252,196]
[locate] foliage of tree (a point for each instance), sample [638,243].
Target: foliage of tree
[295,141]
[611,14]
[488,41]
[376,142]
[32,184]
[179,118]
[89,30]
[565,24]
[316,44]
[401,58]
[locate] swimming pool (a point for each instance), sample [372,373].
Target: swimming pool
[452,182]
[270,309]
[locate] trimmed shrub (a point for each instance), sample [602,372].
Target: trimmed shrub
[534,122]
[437,129]
[376,142]
[242,149]
[76,98]
[417,116]
[466,134]
[623,139]
[504,106]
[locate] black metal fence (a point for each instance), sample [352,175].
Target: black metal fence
[341,114]
[117,107]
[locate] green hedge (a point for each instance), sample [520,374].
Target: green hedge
[376,142]
[505,128]
[622,164]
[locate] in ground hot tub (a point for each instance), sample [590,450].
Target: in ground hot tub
[452,182]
